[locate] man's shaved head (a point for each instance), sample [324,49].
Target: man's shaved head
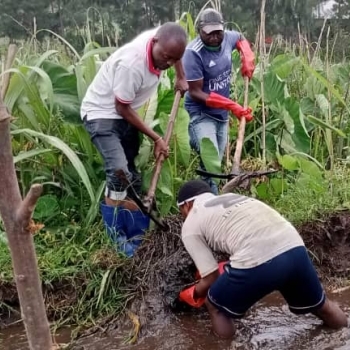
[171,31]
[169,45]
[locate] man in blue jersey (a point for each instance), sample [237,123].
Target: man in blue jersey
[208,66]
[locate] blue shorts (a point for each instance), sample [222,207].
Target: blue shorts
[291,273]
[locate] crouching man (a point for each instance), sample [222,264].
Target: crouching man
[266,254]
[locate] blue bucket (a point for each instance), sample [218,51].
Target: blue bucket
[125,227]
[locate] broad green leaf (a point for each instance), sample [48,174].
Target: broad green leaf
[81,83]
[323,104]
[278,186]
[47,206]
[289,162]
[270,126]
[327,84]
[287,143]
[150,109]
[309,157]
[98,51]
[29,154]
[210,156]
[310,168]
[165,190]
[325,125]
[283,65]
[32,94]
[313,87]
[44,86]
[181,137]
[166,176]
[273,88]
[308,105]
[262,191]
[163,120]
[70,154]
[299,136]
[144,155]
[165,101]
[166,202]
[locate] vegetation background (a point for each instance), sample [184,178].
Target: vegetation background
[299,95]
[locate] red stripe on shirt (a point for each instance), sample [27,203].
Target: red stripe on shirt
[123,101]
[150,63]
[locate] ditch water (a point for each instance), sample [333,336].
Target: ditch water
[268,326]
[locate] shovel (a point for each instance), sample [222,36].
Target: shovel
[148,200]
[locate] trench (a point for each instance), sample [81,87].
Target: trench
[162,267]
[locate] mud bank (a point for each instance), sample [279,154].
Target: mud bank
[161,268]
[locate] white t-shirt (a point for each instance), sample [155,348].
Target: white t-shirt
[127,75]
[248,230]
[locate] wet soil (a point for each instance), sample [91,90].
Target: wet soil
[161,268]
[268,326]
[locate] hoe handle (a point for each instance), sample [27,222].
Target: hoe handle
[241,131]
[158,167]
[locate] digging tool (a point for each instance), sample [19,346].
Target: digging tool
[239,177]
[148,200]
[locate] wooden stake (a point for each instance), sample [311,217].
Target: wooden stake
[16,215]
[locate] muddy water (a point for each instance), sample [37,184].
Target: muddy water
[13,338]
[268,326]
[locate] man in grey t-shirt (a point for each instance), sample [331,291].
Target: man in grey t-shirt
[266,254]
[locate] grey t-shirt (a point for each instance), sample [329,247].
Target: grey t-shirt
[247,229]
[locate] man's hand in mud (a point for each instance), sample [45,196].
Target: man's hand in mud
[160,147]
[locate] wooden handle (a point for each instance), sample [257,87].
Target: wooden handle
[157,169]
[241,131]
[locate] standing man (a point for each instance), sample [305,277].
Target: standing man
[208,66]
[125,81]
[266,254]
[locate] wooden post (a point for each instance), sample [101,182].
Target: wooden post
[16,215]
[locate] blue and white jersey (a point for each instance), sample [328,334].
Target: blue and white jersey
[214,67]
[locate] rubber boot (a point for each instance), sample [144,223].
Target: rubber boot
[125,227]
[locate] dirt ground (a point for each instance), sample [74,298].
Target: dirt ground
[328,241]
[162,267]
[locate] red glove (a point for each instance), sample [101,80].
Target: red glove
[247,58]
[187,296]
[217,101]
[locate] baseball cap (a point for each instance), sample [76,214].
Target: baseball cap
[191,190]
[210,20]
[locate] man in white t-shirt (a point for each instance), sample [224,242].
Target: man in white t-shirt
[266,254]
[125,81]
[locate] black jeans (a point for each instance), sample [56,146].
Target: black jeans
[118,143]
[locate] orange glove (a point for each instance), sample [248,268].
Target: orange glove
[217,101]
[187,296]
[247,58]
